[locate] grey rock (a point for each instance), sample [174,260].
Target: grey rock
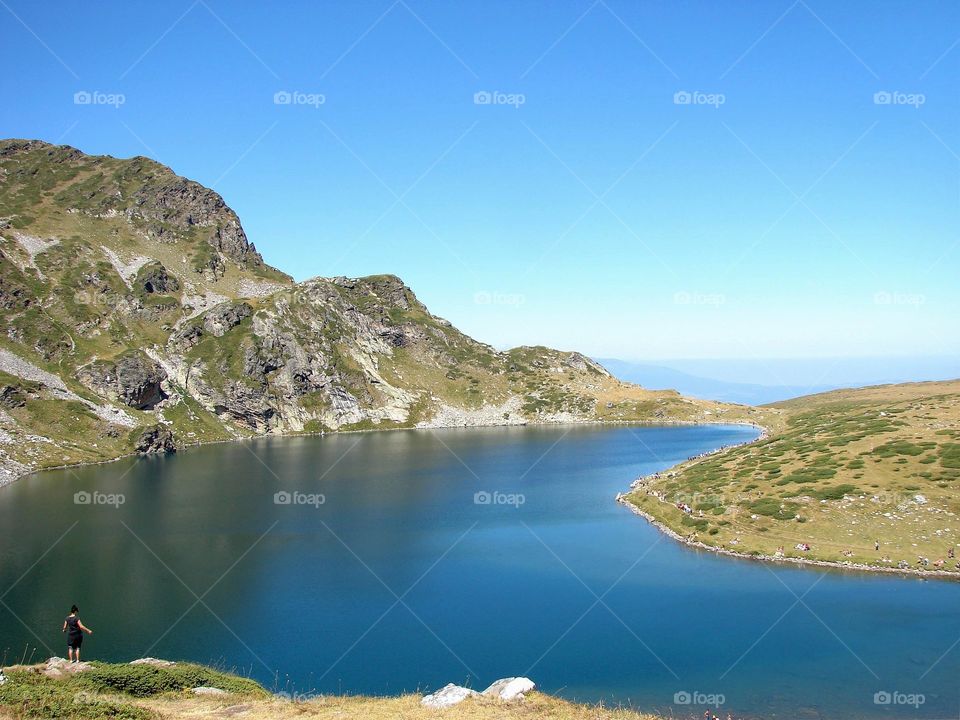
[221,319]
[133,379]
[154,278]
[12,396]
[204,690]
[156,439]
[58,667]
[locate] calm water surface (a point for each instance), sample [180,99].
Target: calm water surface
[401,580]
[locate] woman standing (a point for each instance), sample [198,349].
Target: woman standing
[74,630]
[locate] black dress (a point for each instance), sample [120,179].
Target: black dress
[74,633]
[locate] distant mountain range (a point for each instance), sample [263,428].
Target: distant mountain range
[778,379]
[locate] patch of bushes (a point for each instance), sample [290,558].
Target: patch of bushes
[31,695]
[897,447]
[835,493]
[950,455]
[773,508]
[149,680]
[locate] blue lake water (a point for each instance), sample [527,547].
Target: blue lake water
[403,578]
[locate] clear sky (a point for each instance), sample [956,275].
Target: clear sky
[786,210]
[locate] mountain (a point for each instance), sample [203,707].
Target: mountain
[137,316]
[660,376]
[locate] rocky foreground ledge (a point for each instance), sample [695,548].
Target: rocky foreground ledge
[154,689]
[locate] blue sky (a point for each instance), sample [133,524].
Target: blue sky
[787,210]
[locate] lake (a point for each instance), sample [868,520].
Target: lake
[400,561]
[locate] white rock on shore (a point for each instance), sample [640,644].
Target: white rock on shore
[447,696]
[512,688]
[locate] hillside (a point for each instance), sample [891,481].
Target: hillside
[160,690]
[138,317]
[840,471]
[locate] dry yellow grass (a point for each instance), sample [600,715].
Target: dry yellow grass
[407,707]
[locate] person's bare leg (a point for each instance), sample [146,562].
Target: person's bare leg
[70,654]
[77,653]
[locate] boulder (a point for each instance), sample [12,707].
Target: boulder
[155,439]
[447,696]
[204,690]
[512,688]
[3,678]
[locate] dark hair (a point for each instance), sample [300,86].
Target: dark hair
[74,609]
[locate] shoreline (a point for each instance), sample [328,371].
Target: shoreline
[621,499]
[655,423]
[835,565]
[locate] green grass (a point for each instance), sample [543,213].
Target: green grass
[847,466]
[108,690]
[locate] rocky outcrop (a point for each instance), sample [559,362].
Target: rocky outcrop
[133,379]
[170,200]
[15,396]
[154,278]
[58,667]
[222,318]
[155,439]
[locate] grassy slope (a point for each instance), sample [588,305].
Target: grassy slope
[838,471]
[143,692]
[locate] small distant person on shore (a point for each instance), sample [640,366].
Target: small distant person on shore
[74,630]
[876,545]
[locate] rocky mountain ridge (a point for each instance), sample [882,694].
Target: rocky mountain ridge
[137,315]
